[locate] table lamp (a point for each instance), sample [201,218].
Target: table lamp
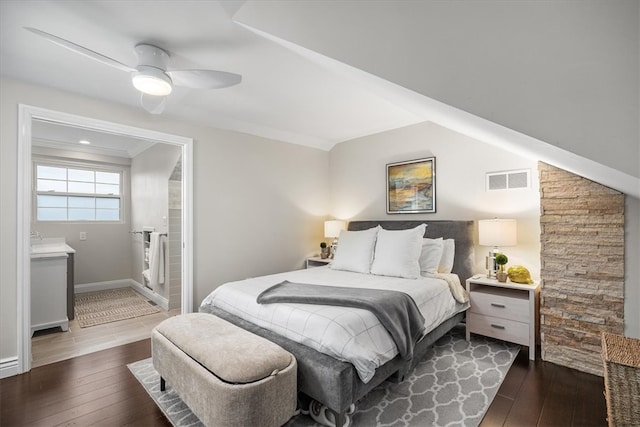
[496,232]
[332,231]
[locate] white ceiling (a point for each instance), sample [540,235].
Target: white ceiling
[64,137]
[282,96]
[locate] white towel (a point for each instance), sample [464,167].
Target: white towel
[145,274]
[156,259]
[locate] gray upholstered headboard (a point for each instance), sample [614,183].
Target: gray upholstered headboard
[461,231]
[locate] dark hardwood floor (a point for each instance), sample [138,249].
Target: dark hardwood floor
[98,389]
[543,394]
[95,389]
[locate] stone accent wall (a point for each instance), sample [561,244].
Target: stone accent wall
[582,254]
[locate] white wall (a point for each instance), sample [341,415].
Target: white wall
[263,204]
[358,192]
[358,183]
[258,204]
[150,172]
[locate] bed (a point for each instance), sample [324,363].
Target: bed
[326,374]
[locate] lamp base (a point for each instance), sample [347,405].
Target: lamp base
[333,248]
[490,264]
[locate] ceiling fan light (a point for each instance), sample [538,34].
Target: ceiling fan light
[151,81]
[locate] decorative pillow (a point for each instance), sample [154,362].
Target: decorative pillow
[398,252]
[355,250]
[448,252]
[431,255]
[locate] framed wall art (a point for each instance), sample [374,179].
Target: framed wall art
[411,186]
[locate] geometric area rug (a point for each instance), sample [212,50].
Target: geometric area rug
[99,307]
[453,385]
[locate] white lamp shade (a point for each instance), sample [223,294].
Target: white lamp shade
[497,232]
[332,228]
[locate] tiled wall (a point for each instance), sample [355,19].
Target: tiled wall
[175,257]
[175,237]
[582,253]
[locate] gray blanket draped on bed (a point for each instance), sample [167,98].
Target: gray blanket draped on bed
[395,310]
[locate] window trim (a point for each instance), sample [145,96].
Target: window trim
[38,160]
[507,174]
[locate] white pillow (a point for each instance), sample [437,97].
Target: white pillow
[355,250]
[397,253]
[448,252]
[431,255]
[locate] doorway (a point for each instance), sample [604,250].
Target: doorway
[28,115]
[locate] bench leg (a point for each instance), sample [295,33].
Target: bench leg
[326,416]
[163,384]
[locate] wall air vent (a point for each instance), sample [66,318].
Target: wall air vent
[508,180]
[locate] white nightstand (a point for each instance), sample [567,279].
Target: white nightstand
[506,311]
[316,261]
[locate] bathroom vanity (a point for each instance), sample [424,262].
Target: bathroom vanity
[51,284]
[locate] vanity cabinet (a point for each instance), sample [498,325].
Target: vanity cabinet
[71,295]
[49,292]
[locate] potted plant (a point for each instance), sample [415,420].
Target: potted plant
[324,250]
[501,260]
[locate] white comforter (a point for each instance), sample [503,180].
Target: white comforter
[349,334]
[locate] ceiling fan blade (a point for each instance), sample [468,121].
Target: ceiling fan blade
[81,50]
[204,79]
[153,104]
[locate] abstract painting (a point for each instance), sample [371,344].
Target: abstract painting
[411,186]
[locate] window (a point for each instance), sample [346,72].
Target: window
[77,193]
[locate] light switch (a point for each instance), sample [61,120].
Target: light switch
[83,235]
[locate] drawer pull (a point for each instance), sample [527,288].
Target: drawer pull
[493,304]
[497,326]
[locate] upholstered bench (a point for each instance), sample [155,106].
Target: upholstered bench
[226,375]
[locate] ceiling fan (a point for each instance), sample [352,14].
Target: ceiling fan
[151,76]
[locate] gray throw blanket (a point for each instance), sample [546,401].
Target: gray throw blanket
[395,310]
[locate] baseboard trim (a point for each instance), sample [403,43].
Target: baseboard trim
[102,286]
[8,367]
[162,302]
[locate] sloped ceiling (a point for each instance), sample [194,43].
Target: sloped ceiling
[564,75]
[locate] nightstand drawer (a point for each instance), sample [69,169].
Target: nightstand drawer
[502,329]
[503,303]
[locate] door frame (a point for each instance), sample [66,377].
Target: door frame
[26,115]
